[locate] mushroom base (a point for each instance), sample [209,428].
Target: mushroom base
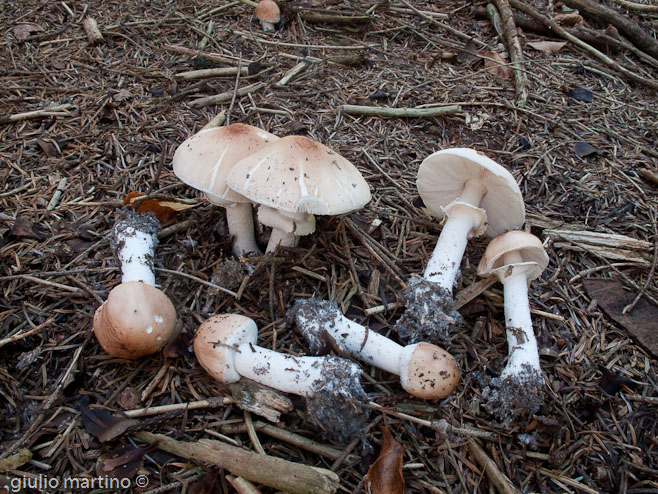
[429,315]
[514,395]
[337,403]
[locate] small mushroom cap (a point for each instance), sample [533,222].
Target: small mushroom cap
[534,258]
[216,340]
[441,178]
[136,320]
[268,11]
[298,174]
[428,371]
[204,160]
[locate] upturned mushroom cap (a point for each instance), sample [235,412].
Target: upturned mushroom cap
[136,320]
[530,249]
[268,11]
[441,178]
[204,160]
[298,174]
[428,371]
[216,340]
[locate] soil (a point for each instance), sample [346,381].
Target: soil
[582,147]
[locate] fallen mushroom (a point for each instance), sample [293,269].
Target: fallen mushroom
[204,161]
[225,346]
[474,195]
[293,179]
[426,371]
[268,13]
[516,258]
[137,319]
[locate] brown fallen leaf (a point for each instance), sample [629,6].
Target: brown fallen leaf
[24,31]
[24,228]
[568,19]
[497,65]
[49,147]
[547,46]
[611,295]
[15,461]
[385,474]
[165,211]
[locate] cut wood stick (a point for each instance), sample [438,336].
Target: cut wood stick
[215,57]
[192,405]
[191,75]
[472,291]
[94,34]
[242,486]
[640,7]
[227,96]
[515,52]
[498,479]
[559,30]
[267,470]
[216,121]
[378,111]
[649,175]
[53,111]
[318,18]
[294,72]
[25,334]
[605,14]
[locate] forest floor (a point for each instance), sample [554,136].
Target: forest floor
[582,147]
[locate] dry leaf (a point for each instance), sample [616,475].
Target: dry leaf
[24,31]
[497,65]
[547,46]
[385,474]
[49,147]
[583,148]
[165,211]
[14,462]
[570,19]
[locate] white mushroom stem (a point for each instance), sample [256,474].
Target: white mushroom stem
[286,226]
[461,220]
[286,373]
[241,227]
[135,250]
[521,341]
[371,347]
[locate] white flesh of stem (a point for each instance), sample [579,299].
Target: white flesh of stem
[286,373]
[241,227]
[279,237]
[136,256]
[518,321]
[366,345]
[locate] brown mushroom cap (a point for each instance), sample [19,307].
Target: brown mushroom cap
[215,342]
[268,11]
[533,256]
[204,160]
[441,178]
[136,320]
[428,371]
[298,174]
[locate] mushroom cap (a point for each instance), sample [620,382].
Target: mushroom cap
[298,174]
[136,320]
[268,11]
[215,342]
[204,160]
[441,178]
[428,371]
[534,258]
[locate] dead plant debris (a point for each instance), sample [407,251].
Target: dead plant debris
[85,121]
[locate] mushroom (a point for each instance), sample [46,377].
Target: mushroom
[426,371]
[225,346]
[293,179]
[474,195]
[517,258]
[137,319]
[204,160]
[268,13]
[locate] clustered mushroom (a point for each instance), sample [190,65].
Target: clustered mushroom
[137,319]
[225,346]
